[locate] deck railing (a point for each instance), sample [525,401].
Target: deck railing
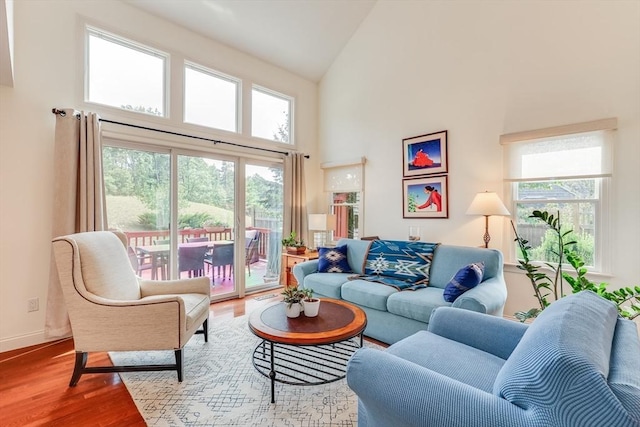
[146,238]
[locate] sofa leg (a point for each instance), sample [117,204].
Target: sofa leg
[179,364]
[78,368]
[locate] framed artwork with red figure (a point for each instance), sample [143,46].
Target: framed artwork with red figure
[425,197]
[425,154]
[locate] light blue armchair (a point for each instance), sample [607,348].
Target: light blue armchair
[577,364]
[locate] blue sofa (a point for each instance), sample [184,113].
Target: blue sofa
[577,364]
[393,315]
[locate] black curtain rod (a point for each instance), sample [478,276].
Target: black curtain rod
[215,141]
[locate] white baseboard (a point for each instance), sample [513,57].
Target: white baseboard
[21,341]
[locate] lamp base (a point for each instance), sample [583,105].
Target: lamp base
[319,239]
[486,236]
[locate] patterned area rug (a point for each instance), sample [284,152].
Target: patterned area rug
[221,387]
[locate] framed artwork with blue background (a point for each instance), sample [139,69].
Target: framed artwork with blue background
[425,154]
[425,197]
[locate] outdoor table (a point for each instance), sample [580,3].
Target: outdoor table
[157,252]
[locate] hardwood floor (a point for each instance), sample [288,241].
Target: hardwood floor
[34,382]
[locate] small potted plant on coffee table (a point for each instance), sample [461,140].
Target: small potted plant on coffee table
[293,245]
[293,301]
[311,305]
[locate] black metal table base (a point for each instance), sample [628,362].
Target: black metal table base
[304,365]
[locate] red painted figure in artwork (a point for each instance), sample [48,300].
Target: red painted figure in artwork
[421,159]
[433,198]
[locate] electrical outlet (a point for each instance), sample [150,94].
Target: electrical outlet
[33,304]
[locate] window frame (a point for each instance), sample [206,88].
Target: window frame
[602,203]
[290,100]
[346,177]
[601,213]
[90,30]
[219,75]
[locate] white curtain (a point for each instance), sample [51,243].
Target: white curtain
[295,218]
[78,198]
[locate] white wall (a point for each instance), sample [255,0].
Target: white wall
[479,70]
[47,74]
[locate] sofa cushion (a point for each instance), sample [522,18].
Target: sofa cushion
[367,294]
[356,253]
[325,284]
[399,259]
[447,260]
[466,278]
[333,260]
[450,358]
[416,305]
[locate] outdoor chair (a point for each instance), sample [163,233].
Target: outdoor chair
[138,263]
[191,260]
[110,309]
[221,256]
[251,249]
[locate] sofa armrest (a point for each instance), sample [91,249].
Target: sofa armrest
[491,334]
[395,392]
[303,269]
[488,297]
[194,285]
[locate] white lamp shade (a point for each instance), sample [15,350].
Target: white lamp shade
[322,222]
[487,203]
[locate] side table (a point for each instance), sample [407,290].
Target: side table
[288,261]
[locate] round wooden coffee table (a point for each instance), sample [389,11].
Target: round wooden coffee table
[306,350]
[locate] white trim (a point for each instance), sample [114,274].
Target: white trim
[595,125]
[357,161]
[24,340]
[559,178]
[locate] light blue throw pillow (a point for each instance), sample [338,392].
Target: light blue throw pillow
[466,278]
[333,260]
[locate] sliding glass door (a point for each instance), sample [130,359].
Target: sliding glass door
[263,219]
[206,221]
[178,210]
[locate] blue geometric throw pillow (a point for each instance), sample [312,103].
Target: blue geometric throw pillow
[333,260]
[466,278]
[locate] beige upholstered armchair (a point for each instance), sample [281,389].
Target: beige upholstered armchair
[111,309]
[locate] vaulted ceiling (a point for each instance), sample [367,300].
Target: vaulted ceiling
[302,36]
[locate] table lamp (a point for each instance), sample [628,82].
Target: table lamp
[320,224]
[487,203]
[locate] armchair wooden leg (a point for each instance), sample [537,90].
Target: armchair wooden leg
[179,364]
[81,368]
[204,330]
[78,368]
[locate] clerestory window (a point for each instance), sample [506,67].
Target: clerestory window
[124,74]
[210,98]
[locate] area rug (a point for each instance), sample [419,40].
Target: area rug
[221,387]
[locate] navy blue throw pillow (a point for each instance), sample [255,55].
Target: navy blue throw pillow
[466,278]
[333,260]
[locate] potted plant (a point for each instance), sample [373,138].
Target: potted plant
[310,304]
[212,226]
[293,300]
[293,245]
[627,299]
